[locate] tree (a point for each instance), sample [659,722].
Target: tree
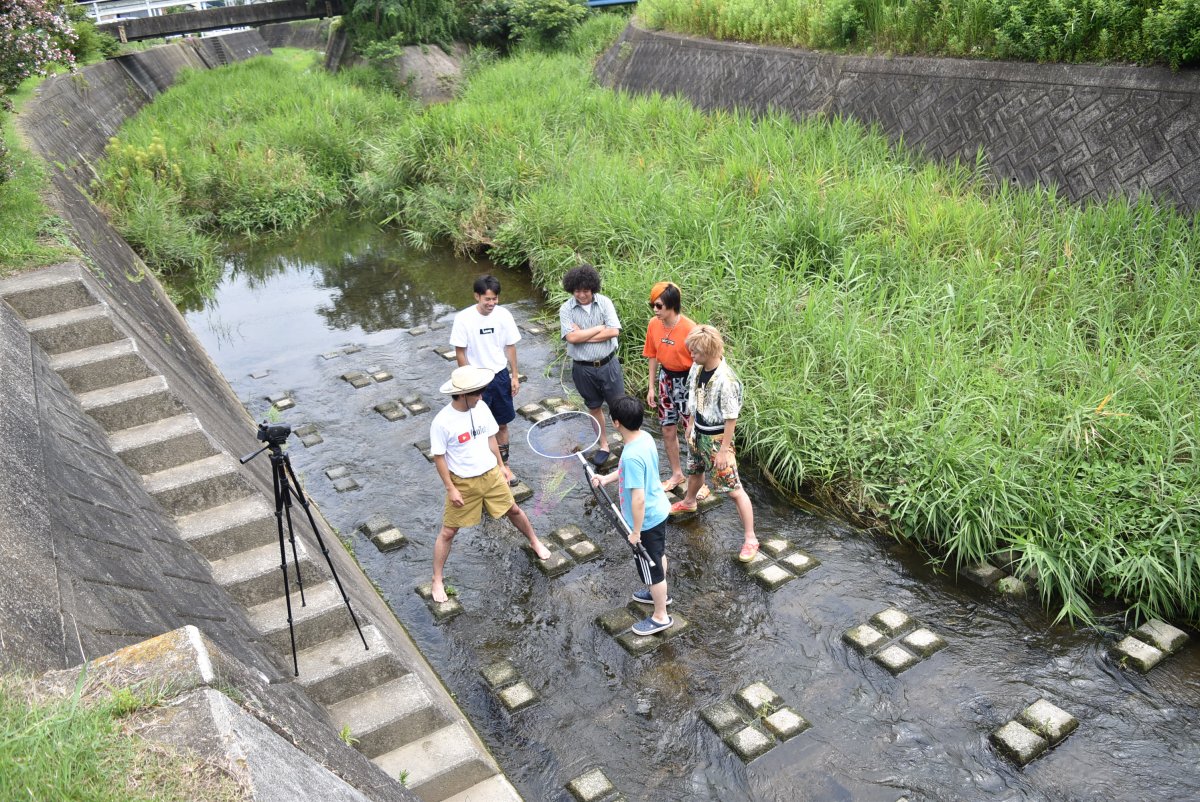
[32,35]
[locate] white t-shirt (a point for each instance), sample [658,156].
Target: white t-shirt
[485,336]
[463,438]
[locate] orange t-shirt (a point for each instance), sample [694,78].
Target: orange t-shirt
[667,346]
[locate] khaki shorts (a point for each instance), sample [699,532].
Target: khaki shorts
[488,489]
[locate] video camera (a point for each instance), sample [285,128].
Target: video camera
[273,433]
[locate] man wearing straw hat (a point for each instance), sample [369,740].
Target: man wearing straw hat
[462,440]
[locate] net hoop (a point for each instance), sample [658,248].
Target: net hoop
[563,435]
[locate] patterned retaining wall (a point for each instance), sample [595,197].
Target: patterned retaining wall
[1093,131]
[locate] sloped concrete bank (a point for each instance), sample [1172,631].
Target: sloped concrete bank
[1096,132]
[124,513]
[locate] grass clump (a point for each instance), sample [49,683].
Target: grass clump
[260,146]
[70,751]
[983,367]
[1148,31]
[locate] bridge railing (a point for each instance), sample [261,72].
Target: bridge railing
[112,10]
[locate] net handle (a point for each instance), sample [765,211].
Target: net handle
[602,496]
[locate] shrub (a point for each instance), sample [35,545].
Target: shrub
[1172,33]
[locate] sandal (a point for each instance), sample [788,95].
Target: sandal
[748,551]
[679,508]
[668,485]
[703,493]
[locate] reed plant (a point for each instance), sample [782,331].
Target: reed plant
[988,370]
[260,146]
[1158,31]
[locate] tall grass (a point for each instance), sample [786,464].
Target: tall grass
[264,145]
[989,369]
[1162,31]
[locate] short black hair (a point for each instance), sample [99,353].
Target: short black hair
[485,283]
[628,411]
[670,297]
[582,277]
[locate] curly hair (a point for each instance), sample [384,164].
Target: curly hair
[582,277]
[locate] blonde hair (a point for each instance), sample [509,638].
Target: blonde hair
[705,341]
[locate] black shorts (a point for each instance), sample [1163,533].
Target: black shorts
[655,541]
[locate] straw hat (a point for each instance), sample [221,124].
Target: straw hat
[467,379]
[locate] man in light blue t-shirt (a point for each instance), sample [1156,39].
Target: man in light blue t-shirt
[644,506]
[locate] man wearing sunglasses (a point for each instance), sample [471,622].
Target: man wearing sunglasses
[670,361]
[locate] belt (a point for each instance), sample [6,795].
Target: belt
[595,363]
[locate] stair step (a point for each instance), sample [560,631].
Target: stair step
[494,789]
[388,716]
[135,403]
[324,616]
[440,765]
[341,668]
[163,444]
[198,485]
[47,292]
[253,577]
[241,525]
[75,328]
[100,366]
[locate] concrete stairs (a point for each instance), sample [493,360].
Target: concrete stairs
[368,693]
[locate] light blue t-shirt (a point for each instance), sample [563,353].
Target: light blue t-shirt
[638,468]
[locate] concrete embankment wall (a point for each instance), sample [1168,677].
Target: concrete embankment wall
[1095,132]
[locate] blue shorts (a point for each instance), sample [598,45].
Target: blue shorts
[498,397]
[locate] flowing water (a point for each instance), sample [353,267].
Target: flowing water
[921,735]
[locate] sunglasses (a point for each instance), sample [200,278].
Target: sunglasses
[658,305]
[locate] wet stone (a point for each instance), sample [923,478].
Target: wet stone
[756,697]
[723,716]
[1161,636]
[679,625]
[424,447]
[390,410]
[410,398]
[344,484]
[775,546]
[442,611]
[583,551]
[376,524]
[331,355]
[557,564]
[337,472]
[615,621]
[864,638]
[351,349]
[552,402]
[924,642]
[567,535]
[522,378]
[561,408]
[749,743]
[278,399]
[591,786]
[755,564]
[1142,656]
[517,697]
[799,563]
[357,379]
[537,417]
[381,376]
[1051,722]
[638,644]
[389,539]
[417,331]
[522,492]
[773,577]
[896,659]
[499,674]
[533,329]
[418,407]
[1011,586]
[449,356]
[892,622]
[785,723]
[260,374]
[713,500]
[983,574]
[527,411]
[1019,743]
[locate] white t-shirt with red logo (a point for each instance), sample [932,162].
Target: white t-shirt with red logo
[463,438]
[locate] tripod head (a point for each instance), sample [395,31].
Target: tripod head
[274,435]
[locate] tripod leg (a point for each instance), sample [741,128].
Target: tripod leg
[287,463]
[287,511]
[277,476]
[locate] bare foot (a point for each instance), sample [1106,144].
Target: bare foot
[439,592]
[541,551]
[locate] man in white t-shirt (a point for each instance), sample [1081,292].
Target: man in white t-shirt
[485,336]
[462,440]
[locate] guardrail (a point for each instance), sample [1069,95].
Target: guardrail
[102,11]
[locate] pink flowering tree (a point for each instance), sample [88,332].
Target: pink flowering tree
[32,35]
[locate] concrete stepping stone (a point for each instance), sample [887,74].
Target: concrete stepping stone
[357,379]
[528,411]
[896,659]
[777,563]
[383,534]
[449,356]
[1038,727]
[591,786]
[331,355]
[442,611]
[749,743]
[638,645]
[566,535]
[424,447]
[414,404]
[260,374]
[865,638]
[522,492]
[583,551]
[893,622]
[282,401]
[553,401]
[1149,645]
[1161,636]
[773,576]
[1130,651]
[534,329]
[417,331]
[894,640]
[351,349]
[308,434]
[724,717]
[753,720]
[558,563]
[785,723]
[391,410]
[517,697]
[499,674]
[614,622]
[379,374]
[512,691]
[983,574]
[1011,586]
[756,698]
[799,563]
[342,480]
[923,642]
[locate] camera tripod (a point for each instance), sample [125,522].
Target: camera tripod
[285,485]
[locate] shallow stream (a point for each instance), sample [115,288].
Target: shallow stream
[921,735]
